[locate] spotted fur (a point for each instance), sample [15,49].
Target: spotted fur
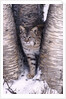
[31,45]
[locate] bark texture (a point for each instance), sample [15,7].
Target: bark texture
[10,49]
[51,56]
[28,15]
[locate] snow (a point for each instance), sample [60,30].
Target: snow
[29,86]
[45,9]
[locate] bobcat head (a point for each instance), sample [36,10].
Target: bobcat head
[32,37]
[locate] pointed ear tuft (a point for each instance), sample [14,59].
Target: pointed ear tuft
[22,29]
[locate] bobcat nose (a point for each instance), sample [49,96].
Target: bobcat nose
[26,40]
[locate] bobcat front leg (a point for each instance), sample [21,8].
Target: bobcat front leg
[32,67]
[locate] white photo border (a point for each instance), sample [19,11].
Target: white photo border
[31,96]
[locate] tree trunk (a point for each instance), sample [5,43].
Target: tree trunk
[10,49]
[51,56]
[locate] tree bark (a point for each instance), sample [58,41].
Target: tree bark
[28,15]
[51,56]
[10,49]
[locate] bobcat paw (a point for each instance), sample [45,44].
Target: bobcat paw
[29,76]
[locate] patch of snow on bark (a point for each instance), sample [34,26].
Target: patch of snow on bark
[45,9]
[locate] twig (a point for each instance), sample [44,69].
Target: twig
[10,90]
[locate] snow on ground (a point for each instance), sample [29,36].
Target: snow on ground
[29,86]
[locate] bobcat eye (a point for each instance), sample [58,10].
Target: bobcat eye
[29,37]
[23,37]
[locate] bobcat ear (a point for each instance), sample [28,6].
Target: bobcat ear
[22,29]
[35,30]
[40,27]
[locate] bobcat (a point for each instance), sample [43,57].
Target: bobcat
[31,46]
